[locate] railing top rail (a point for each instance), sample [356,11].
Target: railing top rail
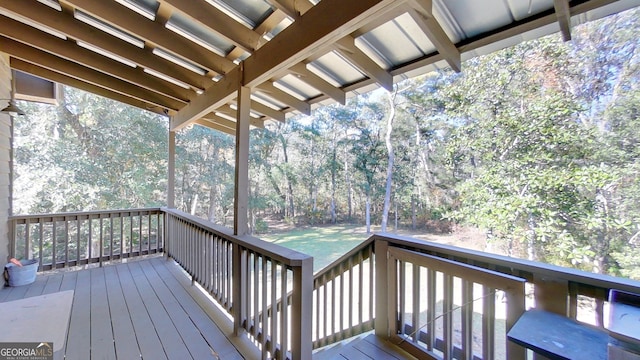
[81,213]
[533,267]
[280,253]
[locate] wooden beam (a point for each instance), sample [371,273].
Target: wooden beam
[54,63]
[564,18]
[231,112]
[213,118]
[423,16]
[300,71]
[219,22]
[70,51]
[270,22]
[295,43]
[348,49]
[78,30]
[79,84]
[215,126]
[310,33]
[219,94]
[269,89]
[267,111]
[241,189]
[153,32]
[292,8]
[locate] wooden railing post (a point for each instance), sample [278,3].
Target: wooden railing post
[551,294]
[302,310]
[237,285]
[381,323]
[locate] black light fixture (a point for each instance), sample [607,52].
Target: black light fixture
[12,109]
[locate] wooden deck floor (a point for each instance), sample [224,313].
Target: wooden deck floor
[141,309]
[367,347]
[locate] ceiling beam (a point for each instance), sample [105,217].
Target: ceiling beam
[41,72]
[270,90]
[65,23]
[423,16]
[300,71]
[60,65]
[211,124]
[292,8]
[348,49]
[229,111]
[270,22]
[219,22]
[70,51]
[267,111]
[564,18]
[295,43]
[153,32]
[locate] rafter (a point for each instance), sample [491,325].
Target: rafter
[218,22]
[301,72]
[70,51]
[292,8]
[348,49]
[295,43]
[60,65]
[231,112]
[153,32]
[564,18]
[216,126]
[41,72]
[78,30]
[270,90]
[423,16]
[267,111]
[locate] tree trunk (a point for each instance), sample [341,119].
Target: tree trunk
[367,212]
[194,205]
[391,157]
[212,204]
[290,211]
[333,186]
[413,213]
[347,176]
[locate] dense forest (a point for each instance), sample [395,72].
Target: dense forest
[537,145]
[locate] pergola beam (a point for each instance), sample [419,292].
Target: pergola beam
[348,49]
[267,111]
[153,32]
[70,51]
[219,22]
[215,126]
[66,24]
[292,8]
[564,18]
[300,71]
[270,90]
[41,72]
[60,65]
[295,43]
[422,14]
[231,112]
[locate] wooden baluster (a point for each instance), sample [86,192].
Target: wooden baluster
[66,242]
[110,237]
[350,303]
[467,320]
[284,322]
[263,312]
[431,309]
[382,290]
[515,297]
[274,309]
[447,319]
[488,322]
[415,312]
[53,244]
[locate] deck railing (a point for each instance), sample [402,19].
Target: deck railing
[446,302]
[266,288]
[78,238]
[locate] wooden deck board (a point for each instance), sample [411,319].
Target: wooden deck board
[214,336]
[141,309]
[196,344]
[148,341]
[124,336]
[78,335]
[169,336]
[366,348]
[101,330]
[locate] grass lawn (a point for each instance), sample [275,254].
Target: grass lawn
[325,244]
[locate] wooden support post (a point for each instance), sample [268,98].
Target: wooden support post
[302,310]
[171,176]
[241,191]
[381,324]
[551,294]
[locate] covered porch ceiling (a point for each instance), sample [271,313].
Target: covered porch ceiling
[188,58]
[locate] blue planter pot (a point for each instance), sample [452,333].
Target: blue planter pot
[22,275]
